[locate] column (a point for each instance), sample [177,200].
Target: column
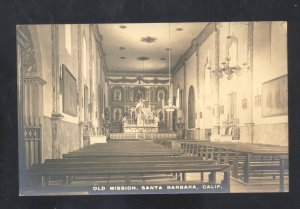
[197,134]
[185,114]
[215,86]
[170,114]
[56,115]
[80,115]
[249,125]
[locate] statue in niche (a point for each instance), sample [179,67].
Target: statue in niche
[156,120]
[161,95]
[133,116]
[117,95]
[140,111]
[106,114]
[161,116]
[117,115]
[138,95]
[125,120]
[131,95]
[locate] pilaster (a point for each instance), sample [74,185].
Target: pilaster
[216,91]
[249,125]
[56,114]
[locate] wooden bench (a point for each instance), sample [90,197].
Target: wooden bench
[124,149]
[129,168]
[248,161]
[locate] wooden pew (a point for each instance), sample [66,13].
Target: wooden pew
[248,161]
[128,168]
[123,149]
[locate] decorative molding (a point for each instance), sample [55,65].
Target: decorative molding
[134,73]
[35,79]
[23,36]
[204,34]
[99,39]
[140,79]
[28,55]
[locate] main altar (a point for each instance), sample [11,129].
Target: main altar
[141,119]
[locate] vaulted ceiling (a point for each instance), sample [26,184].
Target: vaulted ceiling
[144,47]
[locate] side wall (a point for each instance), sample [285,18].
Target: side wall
[262,46]
[87,69]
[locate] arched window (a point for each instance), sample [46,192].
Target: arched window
[191,108]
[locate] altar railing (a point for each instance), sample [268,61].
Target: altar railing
[150,136]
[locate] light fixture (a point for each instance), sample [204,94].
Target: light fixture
[148,39]
[123,27]
[169,107]
[227,67]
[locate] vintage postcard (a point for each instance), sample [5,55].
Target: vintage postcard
[152,108]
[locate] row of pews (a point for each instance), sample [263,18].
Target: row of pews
[128,163]
[249,162]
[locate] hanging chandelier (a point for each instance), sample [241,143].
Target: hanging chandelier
[169,107]
[226,66]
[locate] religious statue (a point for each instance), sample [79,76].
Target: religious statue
[117,114]
[125,120]
[140,110]
[117,95]
[161,116]
[141,118]
[156,120]
[106,114]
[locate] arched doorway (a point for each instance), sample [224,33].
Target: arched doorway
[191,108]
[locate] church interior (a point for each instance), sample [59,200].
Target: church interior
[153,103]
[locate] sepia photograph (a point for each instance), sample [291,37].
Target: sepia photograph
[152,108]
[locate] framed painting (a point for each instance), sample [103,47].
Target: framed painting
[69,92]
[275,97]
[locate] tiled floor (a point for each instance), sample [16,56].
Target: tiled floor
[236,186]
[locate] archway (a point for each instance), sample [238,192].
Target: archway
[191,108]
